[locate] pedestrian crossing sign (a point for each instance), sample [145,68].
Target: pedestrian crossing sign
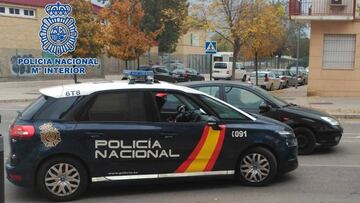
[210,47]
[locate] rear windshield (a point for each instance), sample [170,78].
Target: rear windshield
[48,108]
[260,75]
[34,107]
[220,66]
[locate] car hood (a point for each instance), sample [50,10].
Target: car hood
[267,120]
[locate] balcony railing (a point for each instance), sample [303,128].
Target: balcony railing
[321,7]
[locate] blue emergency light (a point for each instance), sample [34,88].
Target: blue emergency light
[135,76]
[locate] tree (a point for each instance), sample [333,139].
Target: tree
[169,16]
[261,29]
[222,44]
[90,40]
[124,36]
[221,17]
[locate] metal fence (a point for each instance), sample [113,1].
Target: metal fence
[10,70]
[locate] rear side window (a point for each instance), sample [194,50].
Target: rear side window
[116,107]
[33,108]
[56,109]
[210,90]
[220,66]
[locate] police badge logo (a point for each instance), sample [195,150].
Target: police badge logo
[50,136]
[58,32]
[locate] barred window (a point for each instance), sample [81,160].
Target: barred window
[339,51]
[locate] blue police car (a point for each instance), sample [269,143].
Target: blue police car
[74,135]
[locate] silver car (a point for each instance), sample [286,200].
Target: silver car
[266,80]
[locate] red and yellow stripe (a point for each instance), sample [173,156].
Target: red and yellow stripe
[206,152]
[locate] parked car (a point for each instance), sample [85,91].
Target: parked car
[286,78]
[161,73]
[266,80]
[311,127]
[223,71]
[187,74]
[76,135]
[302,74]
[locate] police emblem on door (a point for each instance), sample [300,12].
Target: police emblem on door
[58,32]
[50,135]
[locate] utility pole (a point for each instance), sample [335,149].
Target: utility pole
[297,56]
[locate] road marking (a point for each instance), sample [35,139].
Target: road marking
[331,165]
[351,133]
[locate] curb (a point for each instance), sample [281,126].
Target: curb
[16,100]
[346,116]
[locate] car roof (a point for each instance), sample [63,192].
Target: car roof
[93,87]
[216,82]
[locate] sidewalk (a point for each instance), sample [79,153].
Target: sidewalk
[23,91]
[341,107]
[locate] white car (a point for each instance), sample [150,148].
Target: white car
[266,80]
[223,71]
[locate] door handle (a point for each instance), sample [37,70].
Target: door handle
[94,134]
[168,134]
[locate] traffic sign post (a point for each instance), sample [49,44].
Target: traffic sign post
[211,48]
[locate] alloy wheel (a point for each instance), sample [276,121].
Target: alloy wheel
[62,179]
[255,167]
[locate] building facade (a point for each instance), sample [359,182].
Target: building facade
[334,62]
[20,22]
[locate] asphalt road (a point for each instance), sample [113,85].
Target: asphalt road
[329,175]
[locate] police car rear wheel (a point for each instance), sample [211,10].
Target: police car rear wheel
[257,167]
[62,179]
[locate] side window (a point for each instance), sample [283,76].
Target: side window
[241,98]
[117,106]
[210,90]
[175,107]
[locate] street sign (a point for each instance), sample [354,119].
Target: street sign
[210,47]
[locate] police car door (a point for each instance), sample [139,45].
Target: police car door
[118,133]
[192,145]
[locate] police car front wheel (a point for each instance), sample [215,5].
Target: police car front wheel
[256,167]
[62,179]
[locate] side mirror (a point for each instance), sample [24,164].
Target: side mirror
[214,123]
[264,107]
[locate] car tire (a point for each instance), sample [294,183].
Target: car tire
[63,172]
[256,167]
[306,140]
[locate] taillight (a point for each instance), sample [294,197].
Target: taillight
[266,78]
[21,131]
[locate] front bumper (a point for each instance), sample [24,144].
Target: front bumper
[288,160]
[329,137]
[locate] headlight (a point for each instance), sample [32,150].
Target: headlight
[331,121]
[291,141]
[290,138]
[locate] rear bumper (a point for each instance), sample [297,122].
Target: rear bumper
[20,175]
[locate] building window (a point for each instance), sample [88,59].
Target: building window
[20,12]
[339,51]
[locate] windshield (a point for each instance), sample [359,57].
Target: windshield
[271,97]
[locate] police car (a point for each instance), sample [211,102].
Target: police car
[74,135]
